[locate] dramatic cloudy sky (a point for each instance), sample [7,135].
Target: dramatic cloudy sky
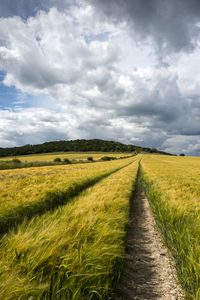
[124,70]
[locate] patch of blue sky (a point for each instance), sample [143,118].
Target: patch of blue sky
[97,37]
[25,100]
[22,8]
[12,98]
[28,8]
[7,94]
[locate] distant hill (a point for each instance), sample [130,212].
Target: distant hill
[76,145]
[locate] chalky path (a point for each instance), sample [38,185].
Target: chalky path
[148,271]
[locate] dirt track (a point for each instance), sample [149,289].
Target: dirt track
[147,272]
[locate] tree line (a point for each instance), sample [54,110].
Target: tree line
[77,146]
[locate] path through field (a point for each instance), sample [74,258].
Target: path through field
[147,272]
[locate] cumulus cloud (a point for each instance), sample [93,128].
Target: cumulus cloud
[96,61]
[50,50]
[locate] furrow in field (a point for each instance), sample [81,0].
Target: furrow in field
[75,252]
[24,196]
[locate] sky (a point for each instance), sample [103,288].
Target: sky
[122,70]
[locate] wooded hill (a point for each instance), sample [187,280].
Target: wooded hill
[77,146]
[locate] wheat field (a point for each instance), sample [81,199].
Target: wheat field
[63,227]
[46,157]
[31,191]
[75,251]
[172,185]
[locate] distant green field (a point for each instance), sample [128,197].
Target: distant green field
[62,155]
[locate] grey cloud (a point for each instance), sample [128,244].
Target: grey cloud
[103,130]
[189,145]
[99,99]
[170,23]
[37,76]
[153,139]
[33,126]
[42,135]
[190,132]
[43,63]
[158,106]
[150,109]
[161,109]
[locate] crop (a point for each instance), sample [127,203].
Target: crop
[74,252]
[49,157]
[38,160]
[28,192]
[172,186]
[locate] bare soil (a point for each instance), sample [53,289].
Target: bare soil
[148,271]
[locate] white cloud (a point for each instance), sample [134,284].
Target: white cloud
[189,145]
[104,82]
[29,125]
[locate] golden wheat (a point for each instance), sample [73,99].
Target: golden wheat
[70,155]
[75,252]
[172,184]
[32,191]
